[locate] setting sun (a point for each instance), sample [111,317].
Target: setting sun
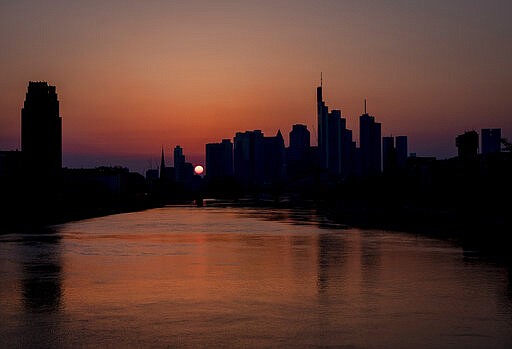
[199,169]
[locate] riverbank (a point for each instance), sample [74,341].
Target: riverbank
[37,214]
[486,233]
[474,230]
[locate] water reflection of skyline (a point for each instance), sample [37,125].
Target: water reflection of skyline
[184,271]
[31,264]
[42,271]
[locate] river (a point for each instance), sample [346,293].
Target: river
[244,277]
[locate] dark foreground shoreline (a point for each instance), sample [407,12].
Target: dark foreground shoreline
[35,217]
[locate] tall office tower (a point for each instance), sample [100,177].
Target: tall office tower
[388,154]
[401,152]
[355,155]
[273,159]
[334,142]
[179,164]
[323,127]
[248,157]
[346,165]
[331,133]
[467,145]
[491,140]
[299,143]
[219,159]
[179,158]
[41,130]
[370,143]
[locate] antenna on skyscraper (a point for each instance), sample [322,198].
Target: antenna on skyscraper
[321,79]
[365,105]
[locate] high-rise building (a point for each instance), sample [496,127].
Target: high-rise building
[323,128]
[257,159]
[301,160]
[179,158]
[41,130]
[248,157]
[334,142]
[219,159]
[346,153]
[355,153]
[273,159]
[467,145]
[401,152]
[388,154]
[299,143]
[179,163]
[183,171]
[394,153]
[491,140]
[370,143]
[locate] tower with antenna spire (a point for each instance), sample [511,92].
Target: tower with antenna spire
[323,126]
[334,140]
[370,143]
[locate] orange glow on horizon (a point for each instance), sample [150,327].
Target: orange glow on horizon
[193,74]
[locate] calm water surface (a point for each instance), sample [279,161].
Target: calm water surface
[235,277]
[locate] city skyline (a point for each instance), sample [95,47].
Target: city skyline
[342,153]
[190,74]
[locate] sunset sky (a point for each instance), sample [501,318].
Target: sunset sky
[132,76]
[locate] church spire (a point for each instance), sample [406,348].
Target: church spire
[162,164]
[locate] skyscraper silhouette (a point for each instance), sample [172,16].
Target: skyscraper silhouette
[273,158]
[323,128]
[249,157]
[346,152]
[388,154]
[219,159]
[394,153]
[300,160]
[370,140]
[179,163]
[401,151]
[299,143]
[334,142]
[41,130]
